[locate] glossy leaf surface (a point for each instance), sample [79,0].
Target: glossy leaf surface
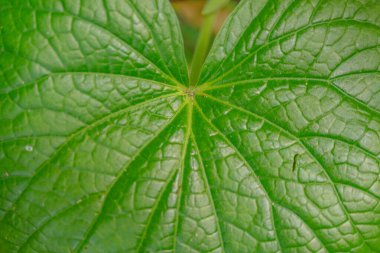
[106,147]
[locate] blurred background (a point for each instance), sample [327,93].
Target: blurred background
[190,15]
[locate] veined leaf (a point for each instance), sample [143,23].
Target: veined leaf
[106,147]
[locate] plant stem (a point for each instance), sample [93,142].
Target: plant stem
[202,47]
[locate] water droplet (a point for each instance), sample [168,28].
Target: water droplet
[28,148]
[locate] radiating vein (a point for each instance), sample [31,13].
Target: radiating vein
[209,192]
[244,160]
[240,36]
[288,35]
[331,84]
[182,172]
[89,73]
[55,216]
[123,42]
[78,133]
[154,211]
[105,30]
[122,172]
[309,151]
[153,34]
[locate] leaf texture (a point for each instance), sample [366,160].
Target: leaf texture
[105,146]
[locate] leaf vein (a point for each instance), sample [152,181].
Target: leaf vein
[78,133]
[310,152]
[96,221]
[244,160]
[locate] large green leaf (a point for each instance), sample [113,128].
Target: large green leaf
[103,148]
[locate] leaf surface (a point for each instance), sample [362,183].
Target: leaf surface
[106,147]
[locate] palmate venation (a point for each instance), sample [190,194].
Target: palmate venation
[105,146]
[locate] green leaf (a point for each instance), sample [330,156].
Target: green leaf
[104,148]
